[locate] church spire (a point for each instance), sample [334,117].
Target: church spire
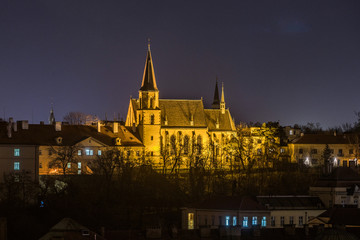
[149,81]
[222,103]
[216,102]
[52,116]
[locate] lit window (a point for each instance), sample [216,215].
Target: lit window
[282,220]
[16,165]
[245,222]
[89,152]
[282,150]
[69,165]
[79,165]
[291,220]
[79,152]
[254,221]
[227,221]
[301,220]
[17,152]
[234,221]
[190,220]
[263,222]
[273,221]
[291,132]
[99,152]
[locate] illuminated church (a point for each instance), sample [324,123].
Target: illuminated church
[177,133]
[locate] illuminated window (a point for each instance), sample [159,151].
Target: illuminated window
[17,152]
[291,220]
[79,152]
[273,221]
[282,220]
[263,222]
[190,220]
[227,220]
[234,221]
[69,165]
[99,152]
[89,152]
[301,221]
[291,132]
[282,150]
[79,165]
[16,165]
[254,221]
[186,145]
[245,222]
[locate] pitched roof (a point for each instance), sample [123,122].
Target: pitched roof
[339,177]
[230,203]
[149,81]
[291,202]
[38,134]
[322,139]
[179,113]
[225,122]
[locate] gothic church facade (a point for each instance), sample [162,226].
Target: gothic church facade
[179,132]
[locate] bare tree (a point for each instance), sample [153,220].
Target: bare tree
[79,118]
[64,157]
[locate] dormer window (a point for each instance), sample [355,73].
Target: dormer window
[117,141]
[58,140]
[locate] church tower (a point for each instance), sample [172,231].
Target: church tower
[149,113]
[222,102]
[216,102]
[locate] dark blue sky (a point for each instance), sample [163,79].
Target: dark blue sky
[292,61]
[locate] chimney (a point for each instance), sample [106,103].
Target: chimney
[98,126]
[14,126]
[9,133]
[116,127]
[58,126]
[24,124]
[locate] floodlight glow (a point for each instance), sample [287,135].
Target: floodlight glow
[307,161]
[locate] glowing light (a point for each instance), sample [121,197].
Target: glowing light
[335,162]
[307,161]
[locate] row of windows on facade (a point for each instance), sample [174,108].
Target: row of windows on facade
[88,152]
[315,151]
[232,221]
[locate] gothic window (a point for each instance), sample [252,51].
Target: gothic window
[199,143]
[186,145]
[152,119]
[173,144]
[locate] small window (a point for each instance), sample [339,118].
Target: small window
[301,220]
[259,141]
[138,153]
[99,152]
[40,164]
[89,152]
[227,221]
[282,220]
[79,153]
[291,132]
[40,152]
[152,119]
[234,221]
[340,151]
[69,165]
[17,152]
[263,221]
[291,220]
[152,138]
[351,151]
[151,153]
[254,221]
[301,151]
[245,222]
[190,221]
[16,165]
[259,151]
[282,150]
[314,151]
[79,165]
[273,221]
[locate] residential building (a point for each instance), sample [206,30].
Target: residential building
[338,189]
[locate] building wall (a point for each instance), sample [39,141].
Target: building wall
[27,159]
[306,214]
[331,196]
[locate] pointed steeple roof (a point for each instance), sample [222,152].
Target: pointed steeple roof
[222,94]
[149,81]
[52,116]
[216,102]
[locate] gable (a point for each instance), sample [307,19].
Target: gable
[90,142]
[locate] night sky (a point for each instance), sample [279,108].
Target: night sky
[288,61]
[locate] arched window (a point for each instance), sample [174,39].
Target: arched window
[186,145]
[152,119]
[199,144]
[173,144]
